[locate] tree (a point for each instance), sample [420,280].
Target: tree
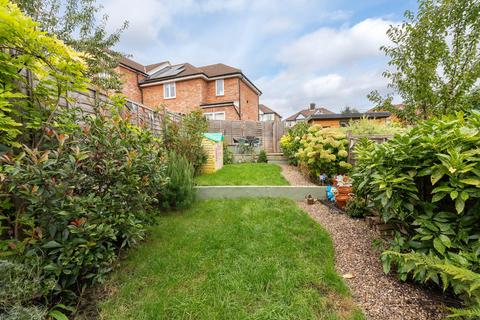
[349,110]
[75,23]
[36,70]
[435,60]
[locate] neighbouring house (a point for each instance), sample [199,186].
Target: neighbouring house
[342,120]
[302,115]
[267,114]
[221,92]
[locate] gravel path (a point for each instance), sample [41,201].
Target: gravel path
[294,176]
[380,296]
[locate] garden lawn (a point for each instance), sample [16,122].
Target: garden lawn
[231,259]
[245,174]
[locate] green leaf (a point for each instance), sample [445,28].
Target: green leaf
[445,240]
[389,193]
[471,181]
[454,194]
[438,245]
[51,244]
[437,175]
[438,196]
[459,205]
[57,315]
[443,188]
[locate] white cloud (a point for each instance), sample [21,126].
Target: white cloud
[323,85]
[327,47]
[331,67]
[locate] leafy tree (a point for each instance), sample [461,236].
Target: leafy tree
[29,56]
[435,60]
[75,23]
[349,110]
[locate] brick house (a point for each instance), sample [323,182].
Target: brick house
[267,114]
[302,115]
[221,92]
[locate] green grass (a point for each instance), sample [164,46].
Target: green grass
[245,174]
[231,259]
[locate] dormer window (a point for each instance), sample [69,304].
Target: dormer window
[219,87]
[169,90]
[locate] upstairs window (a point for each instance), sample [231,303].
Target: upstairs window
[169,90]
[219,86]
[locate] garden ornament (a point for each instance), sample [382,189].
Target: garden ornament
[323,178]
[310,199]
[331,193]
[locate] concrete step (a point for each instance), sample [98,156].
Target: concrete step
[231,192]
[271,157]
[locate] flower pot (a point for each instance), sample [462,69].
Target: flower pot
[341,200]
[344,189]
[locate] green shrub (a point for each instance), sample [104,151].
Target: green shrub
[227,154]
[366,126]
[356,207]
[324,151]
[262,157]
[290,142]
[428,180]
[178,192]
[185,137]
[80,199]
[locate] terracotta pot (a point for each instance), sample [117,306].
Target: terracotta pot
[344,189]
[341,200]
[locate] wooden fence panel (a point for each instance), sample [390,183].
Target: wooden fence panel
[269,132]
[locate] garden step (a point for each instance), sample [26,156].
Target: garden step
[278,158]
[289,192]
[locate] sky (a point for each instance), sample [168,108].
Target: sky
[296,52]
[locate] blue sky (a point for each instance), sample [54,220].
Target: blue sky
[296,52]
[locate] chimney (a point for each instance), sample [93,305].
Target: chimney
[312,106]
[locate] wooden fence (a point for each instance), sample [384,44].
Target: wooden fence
[269,132]
[139,114]
[87,100]
[352,140]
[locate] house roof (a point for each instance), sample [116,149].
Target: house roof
[170,72]
[267,110]
[178,71]
[132,64]
[308,112]
[219,69]
[150,67]
[350,116]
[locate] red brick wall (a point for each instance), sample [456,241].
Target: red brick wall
[130,86]
[189,96]
[248,102]
[230,113]
[230,91]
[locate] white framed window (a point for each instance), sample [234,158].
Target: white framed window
[169,90]
[219,87]
[215,115]
[267,117]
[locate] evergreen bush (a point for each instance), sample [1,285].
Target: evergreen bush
[262,157]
